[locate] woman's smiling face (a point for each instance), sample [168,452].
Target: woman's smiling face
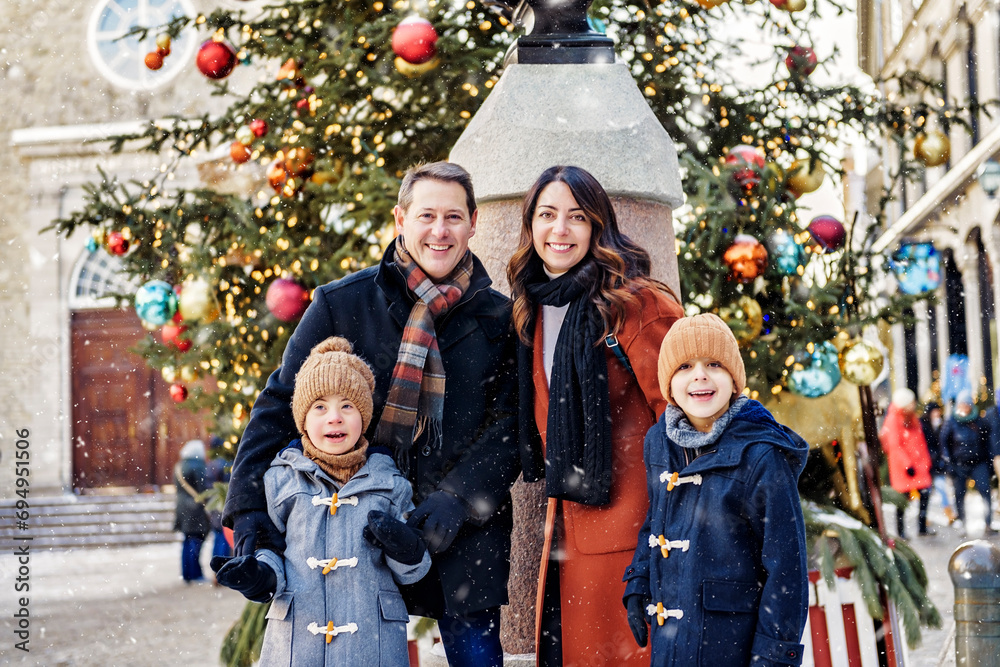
[560,231]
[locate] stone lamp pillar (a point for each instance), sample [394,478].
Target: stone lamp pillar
[565,103]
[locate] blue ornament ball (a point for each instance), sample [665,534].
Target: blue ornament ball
[917,267]
[786,255]
[815,373]
[92,245]
[156,302]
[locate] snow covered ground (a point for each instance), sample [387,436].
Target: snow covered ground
[129,606]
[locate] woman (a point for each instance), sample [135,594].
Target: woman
[582,295]
[905,448]
[190,517]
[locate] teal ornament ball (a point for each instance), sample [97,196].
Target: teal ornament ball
[786,255]
[92,245]
[917,267]
[815,373]
[156,302]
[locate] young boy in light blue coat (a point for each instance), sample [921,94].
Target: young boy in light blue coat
[340,505]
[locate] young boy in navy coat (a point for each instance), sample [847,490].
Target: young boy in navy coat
[720,570]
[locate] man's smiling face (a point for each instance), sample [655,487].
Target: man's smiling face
[436,227]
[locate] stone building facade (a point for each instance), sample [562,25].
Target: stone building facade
[62,88]
[958,44]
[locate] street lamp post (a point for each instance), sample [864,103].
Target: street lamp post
[989,177]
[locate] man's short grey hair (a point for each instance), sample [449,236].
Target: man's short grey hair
[447,172]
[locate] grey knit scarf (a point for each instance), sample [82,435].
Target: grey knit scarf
[679,429]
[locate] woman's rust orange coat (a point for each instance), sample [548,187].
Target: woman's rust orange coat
[597,543]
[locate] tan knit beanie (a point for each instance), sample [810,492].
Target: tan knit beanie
[330,368]
[704,335]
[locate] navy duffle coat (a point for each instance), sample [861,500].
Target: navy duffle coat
[357,592]
[722,552]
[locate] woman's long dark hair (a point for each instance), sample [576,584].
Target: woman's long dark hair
[620,266]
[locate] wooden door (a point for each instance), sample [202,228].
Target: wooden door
[126,430]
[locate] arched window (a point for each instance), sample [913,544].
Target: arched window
[122,61]
[96,277]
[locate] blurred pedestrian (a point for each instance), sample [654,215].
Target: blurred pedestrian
[902,439]
[218,469]
[191,519]
[966,437]
[931,422]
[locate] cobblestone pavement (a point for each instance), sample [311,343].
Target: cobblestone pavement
[116,606]
[937,648]
[128,606]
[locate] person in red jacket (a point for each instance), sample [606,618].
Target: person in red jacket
[906,450]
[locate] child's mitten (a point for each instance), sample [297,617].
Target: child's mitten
[635,605]
[247,575]
[397,540]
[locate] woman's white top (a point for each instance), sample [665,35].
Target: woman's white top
[552,321]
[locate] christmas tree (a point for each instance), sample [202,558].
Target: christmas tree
[356,91]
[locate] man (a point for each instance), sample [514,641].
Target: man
[966,437]
[440,344]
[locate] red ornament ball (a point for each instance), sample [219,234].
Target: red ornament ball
[239,152]
[746,258]
[154,60]
[258,127]
[800,61]
[172,337]
[277,175]
[178,392]
[286,299]
[117,243]
[216,59]
[746,163]
[414,40]
[828,232]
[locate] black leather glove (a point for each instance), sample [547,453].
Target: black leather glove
[254,530]
[911,472]
[247,575]
[396,540]
[635,605]
[439,516]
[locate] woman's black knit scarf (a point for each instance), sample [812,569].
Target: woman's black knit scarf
[577,463]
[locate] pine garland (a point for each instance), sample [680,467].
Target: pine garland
[896,568]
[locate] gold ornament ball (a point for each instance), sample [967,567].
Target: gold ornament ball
[861,362]
[169,374]
[747,317]
[197,301]
[932,148]
[410,71]
[188,373]
[805,176]
[794,5]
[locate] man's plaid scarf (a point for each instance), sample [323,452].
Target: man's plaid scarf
[416,395]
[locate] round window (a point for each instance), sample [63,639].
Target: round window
[122,61]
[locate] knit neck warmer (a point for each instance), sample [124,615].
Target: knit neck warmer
[341,467]
[973,414]
[680,430]
[415,403]
[578,443]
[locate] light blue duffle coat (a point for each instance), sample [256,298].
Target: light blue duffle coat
[358,593]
